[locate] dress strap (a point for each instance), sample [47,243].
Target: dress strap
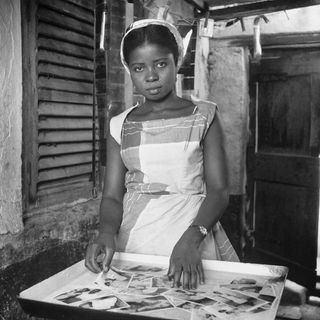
[190,132]
[195,109]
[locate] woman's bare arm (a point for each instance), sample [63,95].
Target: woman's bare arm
[185,260]
[111,210]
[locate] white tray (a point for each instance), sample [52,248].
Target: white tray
[262,303]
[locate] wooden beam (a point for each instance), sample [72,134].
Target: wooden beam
[226,3]
[256,8]
[199,5]
[295,40]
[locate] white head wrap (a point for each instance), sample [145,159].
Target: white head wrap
[145,22]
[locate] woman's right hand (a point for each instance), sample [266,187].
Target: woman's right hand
[96,249]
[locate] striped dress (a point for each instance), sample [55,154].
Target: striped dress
[164,182]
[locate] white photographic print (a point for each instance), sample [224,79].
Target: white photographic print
[109,302]
[147,304]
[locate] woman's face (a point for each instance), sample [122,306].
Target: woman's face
[153,71]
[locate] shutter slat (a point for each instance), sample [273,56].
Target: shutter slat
[64,60]
[64,109]
[65,123]
[61,96]
[49,31]
[56,18]
[65,160]
[62,173]
[69,9]
[46,189]
[64,72]
[65,47]
[64,148]
[65,136]
[88,4]
[66,85]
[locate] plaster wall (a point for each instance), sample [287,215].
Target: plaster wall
[11,117]
[228,87]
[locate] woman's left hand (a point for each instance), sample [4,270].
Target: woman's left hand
[185,261]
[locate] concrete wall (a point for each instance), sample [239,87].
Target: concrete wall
[229,89]
[221,75]
[11,116]
[50,242]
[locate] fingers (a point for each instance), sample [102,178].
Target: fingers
[170,273]
[174,275]
[193,282]
[177,277]
[186,279]
[93,250]
[201,273]
[107,259]
[191,276]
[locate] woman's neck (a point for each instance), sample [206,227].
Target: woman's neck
[158,106]
[171,107]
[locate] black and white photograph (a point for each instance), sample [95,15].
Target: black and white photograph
[186,305]
[108,302]
[146,304]
[186,294]
[160,150]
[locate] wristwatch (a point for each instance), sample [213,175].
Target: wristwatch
[203,230]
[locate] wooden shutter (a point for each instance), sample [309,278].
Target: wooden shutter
[59,100]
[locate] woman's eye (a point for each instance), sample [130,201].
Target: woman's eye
[137,68]
[161,64]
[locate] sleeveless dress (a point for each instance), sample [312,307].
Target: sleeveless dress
[165,183]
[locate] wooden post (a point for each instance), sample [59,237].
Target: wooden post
[128,93]
[201,71]
[30,103]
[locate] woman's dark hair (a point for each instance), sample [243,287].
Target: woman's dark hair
[153,34]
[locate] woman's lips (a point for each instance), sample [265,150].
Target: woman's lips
[154,90]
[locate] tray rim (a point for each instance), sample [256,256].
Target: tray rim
[30,298]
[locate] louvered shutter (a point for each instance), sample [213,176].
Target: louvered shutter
[62,161]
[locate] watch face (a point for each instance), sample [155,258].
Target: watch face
[203,230]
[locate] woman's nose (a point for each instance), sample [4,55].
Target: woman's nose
[152,75]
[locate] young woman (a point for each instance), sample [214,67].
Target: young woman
[169,154]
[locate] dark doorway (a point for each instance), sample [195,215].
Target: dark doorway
[283,161]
